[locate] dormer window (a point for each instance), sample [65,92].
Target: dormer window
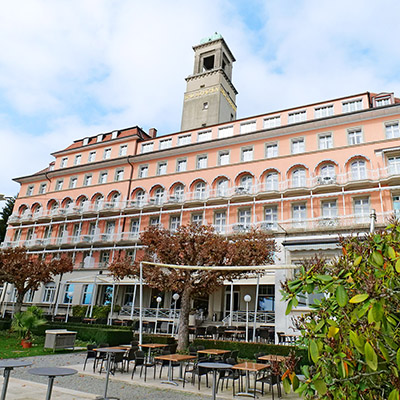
[383,101]
[114,134]
[85,141]
[100,137]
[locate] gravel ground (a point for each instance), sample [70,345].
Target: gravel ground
[94,385]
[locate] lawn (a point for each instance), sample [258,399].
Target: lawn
[10,347]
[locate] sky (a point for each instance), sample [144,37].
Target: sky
[76,68]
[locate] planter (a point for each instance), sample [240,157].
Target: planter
[26,344]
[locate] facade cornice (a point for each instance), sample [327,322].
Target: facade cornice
[209,73]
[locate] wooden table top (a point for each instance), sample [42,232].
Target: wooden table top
[250,366]
[235,331]
[272,357]
[215,352]
[154,345]
[175,357]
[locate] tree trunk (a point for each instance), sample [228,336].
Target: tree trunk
[183,332]
[18,302]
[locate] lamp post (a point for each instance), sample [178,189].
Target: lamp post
[176,298]
[247,299]
[69,294]
[158,300]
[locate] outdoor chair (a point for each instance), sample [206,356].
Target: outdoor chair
[227,375]
[200,332]
[195,370]
[234,355]
[117,359]
[265,335]
[90,353]
[281,338]
[130,356]
[100,356]
[221,332]
[172,348]
[211,331]
[165,363]
[141,361]
[257,356]
[192,351]
[270,379]
[164,327]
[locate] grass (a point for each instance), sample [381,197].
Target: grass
[10,347]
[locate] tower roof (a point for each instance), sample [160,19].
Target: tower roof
[211,38]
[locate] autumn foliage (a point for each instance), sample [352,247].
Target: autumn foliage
[195,245]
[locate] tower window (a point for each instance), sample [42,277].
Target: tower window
[205,105]
[208,63]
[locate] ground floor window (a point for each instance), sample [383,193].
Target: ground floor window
[87,294]
[68,293]
[49,292]
[266,298]
[107,295]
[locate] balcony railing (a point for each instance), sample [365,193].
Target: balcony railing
[262,317]
[163,313]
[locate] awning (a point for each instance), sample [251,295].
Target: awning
[268,279]
[313,247]
[104,280]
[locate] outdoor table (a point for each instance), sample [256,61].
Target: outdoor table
[89,320]
[235,332]
[174,358]
[214,367]
[52,372]
[272,357]
[109,351]
[152,346]
[8,366]
[250,367]
[213,352]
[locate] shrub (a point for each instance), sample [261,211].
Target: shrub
[5,324]
[162,339]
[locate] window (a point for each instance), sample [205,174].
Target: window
[73,182]
[200,191]
[47,234]
[225,132]
[76,233]
[78,159]
[203,136]
[87,293]
[100,137]
[68,293]
[109,231]
[140,198]
[185,139]
[162,168]
[147,147]
[29,236]
[220,221]
[222,187]
[93,230]
[159,196]
[297,116]
[299,215]
[62,234]
[92,156]
[272,122]
[119,174]
[181,165]
[114,134]
[135,228]
[205,105]
[324,111]
[396,206]
[327,174]
[298,146]
[85,141]
[361,209]
[154,221]
[246,183]
[174,222]
[17,235]
[30,294]
[247,154]
[355,136]
[325,141]
[353,105]
[383,101]
[223,157]
[165,144]
[299,177]
[143,171]
[107,154]
[49,292]
[123,150]
[103,177]
[244,218]
[59,184]
[197,219]
[329,209]
[271,150]
[271,181]
[98,202]
[392,130]
[42,188]
[64,162]
[248,127]
[358,170]
[104,259]
[201,162]
[114,200]
[29,190]
[87,181]
[394,165]
[179,193]
[270,217]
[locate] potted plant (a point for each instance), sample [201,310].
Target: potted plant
[24,322]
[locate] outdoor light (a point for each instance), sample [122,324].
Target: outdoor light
[158,300]
[247,299]
[176,298]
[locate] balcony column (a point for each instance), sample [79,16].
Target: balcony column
[344,204]
[380,197]
[228,213]
[312,205]
[254,211]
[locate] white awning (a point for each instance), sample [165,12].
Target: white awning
[104,280]
[268,279]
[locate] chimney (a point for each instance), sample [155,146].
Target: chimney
[152,132]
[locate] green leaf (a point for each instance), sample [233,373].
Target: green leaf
[370,356]
[398,266]
[295,382]
[341,296]
[398,357]
[286,385]
[394,395]
[314,352]
[384,352]
[377,258]
[319,325]
[289,306]
[359,298]
[377,312]
[324,278]
[392,253]
[302,388]
[357,261]
[320,385]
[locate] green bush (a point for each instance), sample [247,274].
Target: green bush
[98,311]
[161,339]
[5,324]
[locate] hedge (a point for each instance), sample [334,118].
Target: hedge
[162,339]
[247,350]
[5,324]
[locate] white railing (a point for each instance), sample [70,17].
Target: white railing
[262,317]
[163,313]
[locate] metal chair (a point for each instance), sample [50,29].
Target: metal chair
[227,375]
[140,360]
[90,354]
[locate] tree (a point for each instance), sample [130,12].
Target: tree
[26,272]
[195,245]
[5,214]
[353,332]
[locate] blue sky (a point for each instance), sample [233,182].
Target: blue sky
[73,68]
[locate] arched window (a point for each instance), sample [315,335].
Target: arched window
[327,170]
[159,195]
[98,202]
[222,187]
[53,208]
[299,177]
[37,210]
[246,182]
[140,196]
[179,191]
[200,191]
[358,170]
[114,199]
[68,204]
[271,181]
[82,203]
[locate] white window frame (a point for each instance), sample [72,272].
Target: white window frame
[119,174]
[247,154]
[42,188]
[123,150]
[323,111]
[165,144]
[220,221]
[360,205]
[271,216]
[107,153]
[223,157]
[59,185]
[147,147]
[325,141]
[143,171]
[225,131]
[64,162]
[299,178]
[49,291]
[352,105]
[73,181]
[181,165]
[248,127]
[299,214]
[392,130]
[297,116]
[272,180]
[184,140]
[174,222]
[29,190]
[78,159]
[162,167]
[271,150]
[201,161]
[87,180]
[204,136]
[272,122]
[92,156]
[298,145]
[355,136]
[103,177]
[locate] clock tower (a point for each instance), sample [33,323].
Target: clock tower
[210,96]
